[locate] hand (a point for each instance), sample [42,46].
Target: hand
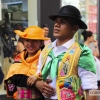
[48,81]
[31,80]
[45,88]
[95,42]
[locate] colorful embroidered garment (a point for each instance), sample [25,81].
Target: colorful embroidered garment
[19,72]
[49,68]
[68,84]
[28,93]
[86,57]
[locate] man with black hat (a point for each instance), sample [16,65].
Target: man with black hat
[68,64]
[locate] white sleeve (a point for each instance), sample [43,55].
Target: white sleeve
[39,67]
[89,79]
[97,62]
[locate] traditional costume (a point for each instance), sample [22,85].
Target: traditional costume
[70,66]
[66,68]
[23,67]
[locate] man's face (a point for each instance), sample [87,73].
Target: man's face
[63,28]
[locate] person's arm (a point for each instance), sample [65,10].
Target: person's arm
[96,51]
[89,82]
[41,85]
[45,88]
[87,72]
[31,80]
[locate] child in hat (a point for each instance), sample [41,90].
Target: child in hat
[68,64]
[25,65]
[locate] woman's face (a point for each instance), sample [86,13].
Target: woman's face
[32,46]
[91,38]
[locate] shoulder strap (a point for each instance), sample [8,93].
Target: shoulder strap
[69,60]
[45,53]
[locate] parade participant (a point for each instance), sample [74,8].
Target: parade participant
[25,65]
[68,64]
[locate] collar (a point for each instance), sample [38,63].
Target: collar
[67,45]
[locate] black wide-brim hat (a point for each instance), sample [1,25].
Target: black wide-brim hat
[71,12]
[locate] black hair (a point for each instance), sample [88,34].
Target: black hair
[44,25]
[20,40]
[86,34]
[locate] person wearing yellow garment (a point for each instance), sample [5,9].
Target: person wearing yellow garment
[25,65]
[68,65]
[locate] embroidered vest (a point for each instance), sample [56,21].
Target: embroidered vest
[68,83]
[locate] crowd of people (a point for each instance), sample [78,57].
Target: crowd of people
[55,70]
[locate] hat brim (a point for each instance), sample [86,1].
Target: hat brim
[35,38]
[82,25]
[29,37]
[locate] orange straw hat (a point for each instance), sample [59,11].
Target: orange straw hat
[32,32]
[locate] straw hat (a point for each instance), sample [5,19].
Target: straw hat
[32,32]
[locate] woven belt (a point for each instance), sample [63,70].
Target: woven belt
[32,99]
[28,94]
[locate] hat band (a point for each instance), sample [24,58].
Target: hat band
[70,14]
